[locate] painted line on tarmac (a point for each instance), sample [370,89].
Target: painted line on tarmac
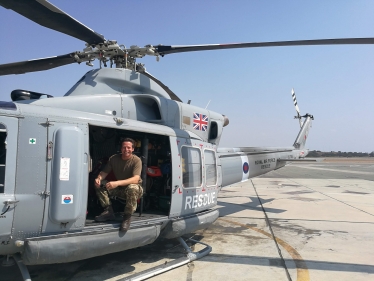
[301,267]
[334,170]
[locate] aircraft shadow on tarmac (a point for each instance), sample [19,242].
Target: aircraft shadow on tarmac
[311,264]
[226,209]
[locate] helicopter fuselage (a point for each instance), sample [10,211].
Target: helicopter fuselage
[53,148]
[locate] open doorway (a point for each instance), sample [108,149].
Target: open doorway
[105,142]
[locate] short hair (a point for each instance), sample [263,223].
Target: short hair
[128,140]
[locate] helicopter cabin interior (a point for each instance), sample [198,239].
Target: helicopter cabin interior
[103,143]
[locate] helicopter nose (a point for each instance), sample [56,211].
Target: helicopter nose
[226,120]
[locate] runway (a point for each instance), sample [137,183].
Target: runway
[303,222]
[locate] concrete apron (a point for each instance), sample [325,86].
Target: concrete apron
[323,227]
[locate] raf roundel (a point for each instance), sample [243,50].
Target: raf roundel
[67,200]
[245,167]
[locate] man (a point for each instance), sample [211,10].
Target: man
[127,168]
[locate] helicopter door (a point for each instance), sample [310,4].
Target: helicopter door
[8,152]
[67,177]
[195,178]
[30,176]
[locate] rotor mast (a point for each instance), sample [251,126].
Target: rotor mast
[119,55]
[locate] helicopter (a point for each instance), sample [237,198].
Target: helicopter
[53,147]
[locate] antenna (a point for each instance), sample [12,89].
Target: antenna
[207,104]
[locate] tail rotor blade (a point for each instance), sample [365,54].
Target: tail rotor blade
[295,102]
[296,106]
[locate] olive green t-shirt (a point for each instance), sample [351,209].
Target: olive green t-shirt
[124,169]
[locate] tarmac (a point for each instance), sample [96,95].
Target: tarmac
[303,222]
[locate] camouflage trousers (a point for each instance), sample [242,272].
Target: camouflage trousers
[131,193]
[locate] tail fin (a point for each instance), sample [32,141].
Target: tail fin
[304,131]
[304,126]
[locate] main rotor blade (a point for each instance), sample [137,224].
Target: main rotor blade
[36,65]
[165,50]
[44,13]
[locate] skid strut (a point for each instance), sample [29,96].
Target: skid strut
[22,267]
[191,256]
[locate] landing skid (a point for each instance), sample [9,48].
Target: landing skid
[191,256]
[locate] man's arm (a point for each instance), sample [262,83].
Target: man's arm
[101,176]
[113,184]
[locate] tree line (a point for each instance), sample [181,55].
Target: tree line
[318,153]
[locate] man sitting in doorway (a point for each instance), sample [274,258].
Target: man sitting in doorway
[127,168]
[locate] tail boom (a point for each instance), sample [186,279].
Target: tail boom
[242,163]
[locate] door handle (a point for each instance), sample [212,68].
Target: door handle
[9,202]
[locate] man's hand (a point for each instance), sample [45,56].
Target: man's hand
[111,185]
[101,176]
[97,182]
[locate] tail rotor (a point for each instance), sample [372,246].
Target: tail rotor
[296,107]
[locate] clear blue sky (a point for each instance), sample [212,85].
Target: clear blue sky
[251,86]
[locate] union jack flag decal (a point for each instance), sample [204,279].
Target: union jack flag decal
[200,122]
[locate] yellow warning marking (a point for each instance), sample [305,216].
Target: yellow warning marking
[301,268]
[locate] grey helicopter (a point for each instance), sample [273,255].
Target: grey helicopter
[52,148]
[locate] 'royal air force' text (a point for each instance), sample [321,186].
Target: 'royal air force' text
[265,163]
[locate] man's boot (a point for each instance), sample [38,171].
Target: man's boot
[125,225]
[107,215]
